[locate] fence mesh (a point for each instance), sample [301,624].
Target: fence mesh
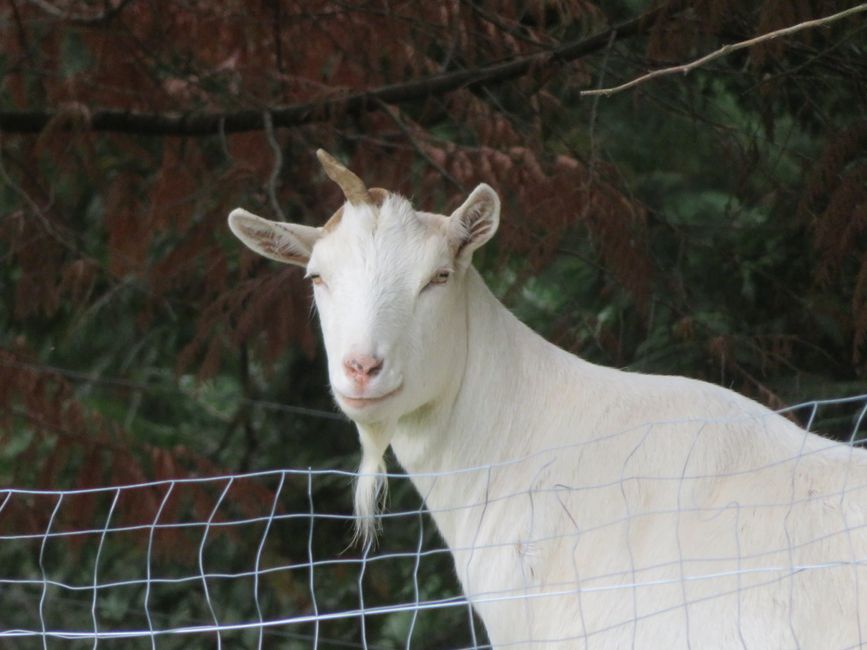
[216,558]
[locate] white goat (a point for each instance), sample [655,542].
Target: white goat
[614,509]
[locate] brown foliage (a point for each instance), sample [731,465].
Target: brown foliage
[40,260]
[275,305]
[100,215]
[835,201]
[73,446]
[81,445]
[163,229]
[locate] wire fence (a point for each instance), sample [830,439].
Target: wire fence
[159,564]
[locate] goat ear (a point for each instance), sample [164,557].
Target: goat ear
[290,243]
[475,222]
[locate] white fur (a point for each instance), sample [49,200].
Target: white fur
[612,509]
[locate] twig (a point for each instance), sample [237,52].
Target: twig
[590,177]
[278,164]
[38,212]
[395,116]
[79,19]
[594,111]
[224,144]
[724,50]
[156,389]
[20,191]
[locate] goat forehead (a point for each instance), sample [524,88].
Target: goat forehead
[386,241]
[393,220]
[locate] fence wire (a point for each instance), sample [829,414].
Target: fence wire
[161,563]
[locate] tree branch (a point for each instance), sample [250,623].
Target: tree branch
[77,19]
[407,131]
[724,50]
[212,123]
[278,165]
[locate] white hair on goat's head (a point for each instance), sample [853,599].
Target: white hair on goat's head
[389,288]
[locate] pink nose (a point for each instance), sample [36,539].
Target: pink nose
[361,367]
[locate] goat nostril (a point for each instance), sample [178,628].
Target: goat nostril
[362,366]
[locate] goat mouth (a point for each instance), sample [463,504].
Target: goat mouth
[362,402]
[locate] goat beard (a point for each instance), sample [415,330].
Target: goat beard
[371,485]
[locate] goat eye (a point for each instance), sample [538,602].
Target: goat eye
[441,277]
[315,278]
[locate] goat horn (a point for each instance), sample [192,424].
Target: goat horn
[353,187]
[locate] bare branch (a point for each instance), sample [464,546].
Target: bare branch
[322,110]
[278,165]
[79,19]
[395,116]
[35,208]
[594,110]
[724,50]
